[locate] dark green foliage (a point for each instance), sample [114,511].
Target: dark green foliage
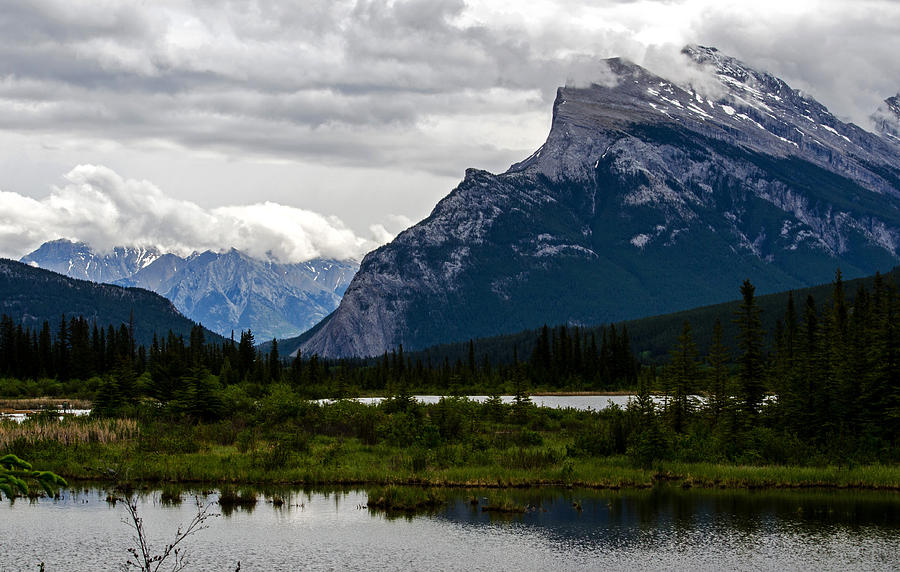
[15,474]
[650,338]
[750,348]
[32,296]
[681,380]
[821,383]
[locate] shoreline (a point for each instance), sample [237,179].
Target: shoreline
[362,469]
[425,483]
[582,394]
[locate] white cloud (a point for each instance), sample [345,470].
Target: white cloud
[99,207]
[371,107]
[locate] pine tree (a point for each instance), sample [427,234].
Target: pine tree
[680,379]
[750,345]
[246,354]
[275,365]
[718,373]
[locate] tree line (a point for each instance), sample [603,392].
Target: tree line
[76,350]
[828,374]
[827,380]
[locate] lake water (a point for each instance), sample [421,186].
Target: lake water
[664,528]
[582,402]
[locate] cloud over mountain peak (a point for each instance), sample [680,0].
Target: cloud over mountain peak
[98,206]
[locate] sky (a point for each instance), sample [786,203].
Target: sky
[296,130]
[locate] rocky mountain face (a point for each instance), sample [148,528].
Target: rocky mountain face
[887,118]
[226,292]
[647,197]
[78,260]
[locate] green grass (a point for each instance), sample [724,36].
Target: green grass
[334,461]
[405,499]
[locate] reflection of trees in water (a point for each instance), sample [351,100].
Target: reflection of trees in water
[666,514]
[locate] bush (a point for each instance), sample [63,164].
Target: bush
[529,438]
[281,404]
[431,436]
[402,429]
[532,458]
[648,444]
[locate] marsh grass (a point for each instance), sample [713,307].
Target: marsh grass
[782,476]
[68,431]
[405,499]
[485,454]
[503,502]
[231,499]
[35,403]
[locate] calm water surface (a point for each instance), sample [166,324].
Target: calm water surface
[658,529]
[582,402]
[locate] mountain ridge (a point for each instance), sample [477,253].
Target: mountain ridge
[32,295]
[227,291]
[646,198]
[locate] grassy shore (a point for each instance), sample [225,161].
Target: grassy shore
[116,450]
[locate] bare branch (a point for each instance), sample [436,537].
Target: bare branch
[142,557]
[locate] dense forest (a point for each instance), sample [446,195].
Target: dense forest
[824,381]
[31,296]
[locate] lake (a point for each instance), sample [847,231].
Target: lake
[581,402]
[664,528]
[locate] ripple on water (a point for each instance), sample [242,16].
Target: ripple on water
[625,530]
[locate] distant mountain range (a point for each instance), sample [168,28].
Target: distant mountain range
[226,291]
[32,295]
[647,197]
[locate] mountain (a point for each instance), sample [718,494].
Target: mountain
[231,291]
[647,197]
[887,118]
[78,260]
[32,295]
[226,292]
[652,338]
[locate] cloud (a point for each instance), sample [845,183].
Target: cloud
[99,207]
[397,223]
[669,62]
[842,53]
[412,91]
[340,82]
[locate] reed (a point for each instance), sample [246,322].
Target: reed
[405,499]
[119,450]
[69,431]
[43,403]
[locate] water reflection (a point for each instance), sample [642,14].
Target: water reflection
[659,528]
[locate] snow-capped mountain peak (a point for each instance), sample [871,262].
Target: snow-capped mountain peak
[887,118]
[227,291]
[650,194]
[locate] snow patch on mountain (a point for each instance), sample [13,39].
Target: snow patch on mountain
[226,292]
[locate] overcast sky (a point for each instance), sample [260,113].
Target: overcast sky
[322,128]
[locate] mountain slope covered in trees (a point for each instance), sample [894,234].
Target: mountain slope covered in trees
[31,296]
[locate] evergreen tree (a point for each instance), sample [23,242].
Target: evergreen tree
[246,355]
[680,378]
[750,346]
[718,373]
[275,365]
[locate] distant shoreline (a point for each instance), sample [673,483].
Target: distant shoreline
[582,393]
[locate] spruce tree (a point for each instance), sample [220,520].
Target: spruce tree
[718,373]
[750,346]
[680,379]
